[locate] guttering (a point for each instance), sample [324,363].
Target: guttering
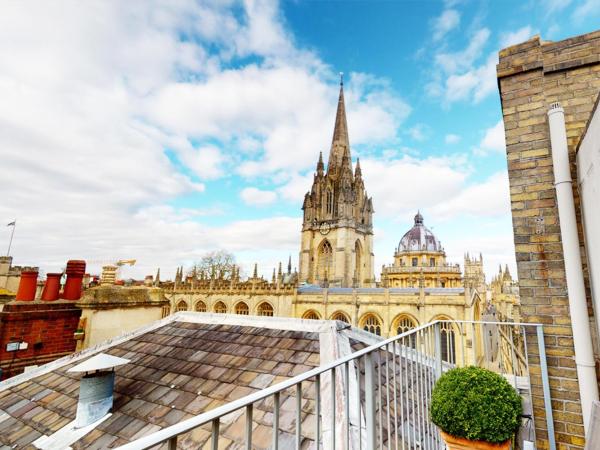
[582,338]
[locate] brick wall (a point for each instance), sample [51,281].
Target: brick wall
[531,76]
[46,327]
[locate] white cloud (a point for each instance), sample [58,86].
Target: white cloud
[112,111]
[257,197]
[206,162]
[493,140]
[446,22]
[452,139]
[516,37]
[588,8]
[475,83]
[454,62]
[419,132]
[486,199]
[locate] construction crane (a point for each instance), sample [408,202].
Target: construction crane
[122,262]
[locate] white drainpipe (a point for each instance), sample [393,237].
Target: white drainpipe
[582,338]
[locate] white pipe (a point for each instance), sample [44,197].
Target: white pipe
[582,337]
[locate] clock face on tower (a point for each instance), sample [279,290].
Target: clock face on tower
[324,228]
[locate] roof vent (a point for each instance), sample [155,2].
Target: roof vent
[96,388]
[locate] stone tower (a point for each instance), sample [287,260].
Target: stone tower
[474,274]
[337,230]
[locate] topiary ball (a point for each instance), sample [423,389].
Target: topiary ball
[476,404]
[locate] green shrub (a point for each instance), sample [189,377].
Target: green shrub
[475,404]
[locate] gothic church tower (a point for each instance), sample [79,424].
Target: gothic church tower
[337,230]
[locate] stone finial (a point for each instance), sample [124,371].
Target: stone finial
[255,273]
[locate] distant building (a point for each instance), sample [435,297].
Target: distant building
[336,278]
[337,228]
[421,259]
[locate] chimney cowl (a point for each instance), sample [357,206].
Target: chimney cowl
[96,388]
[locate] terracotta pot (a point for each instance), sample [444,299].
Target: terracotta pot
[27,286]
[458,443]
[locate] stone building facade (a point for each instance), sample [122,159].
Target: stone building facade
[531,77]
[337,228]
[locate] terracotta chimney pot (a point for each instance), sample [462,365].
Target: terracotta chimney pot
[75,272]
[27,286]
[52,287]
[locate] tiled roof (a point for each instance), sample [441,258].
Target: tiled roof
[181,367]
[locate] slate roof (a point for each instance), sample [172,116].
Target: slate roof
[184,365]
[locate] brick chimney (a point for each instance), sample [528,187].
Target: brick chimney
[52,287]
[75,272]
[27,286]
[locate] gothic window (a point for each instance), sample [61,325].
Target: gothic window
[329,202]
[166,310]
[312,315]
[372,324]
[325,261]
[404,324]
[242,308]
[357,269]
[448,347]
[265,309]
[415,261]
[340,316]
[201,306]
[181,306]
[220,308]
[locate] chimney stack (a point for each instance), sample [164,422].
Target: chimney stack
[27,286]
[52,287]
[75,272]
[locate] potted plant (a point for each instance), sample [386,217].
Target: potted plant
[475,408]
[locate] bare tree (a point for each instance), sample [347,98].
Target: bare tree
[218,262]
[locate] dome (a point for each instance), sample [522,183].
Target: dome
[419,238]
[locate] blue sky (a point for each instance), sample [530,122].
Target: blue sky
[162,130]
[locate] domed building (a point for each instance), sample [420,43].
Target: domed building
[420,261]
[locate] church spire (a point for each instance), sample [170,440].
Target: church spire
[340,144]
[320,165]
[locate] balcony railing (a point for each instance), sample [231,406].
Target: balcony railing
[378,396]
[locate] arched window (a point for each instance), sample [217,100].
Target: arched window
[242,308]
[220,308]
[181,306]
[265,309]
[403,324]
[200,306]
[311,314]
[358,266]
[372,324]
[340,316]
[325,260]
[448,347]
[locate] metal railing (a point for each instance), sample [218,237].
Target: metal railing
[376,397]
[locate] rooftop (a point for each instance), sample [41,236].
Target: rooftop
[181,366]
